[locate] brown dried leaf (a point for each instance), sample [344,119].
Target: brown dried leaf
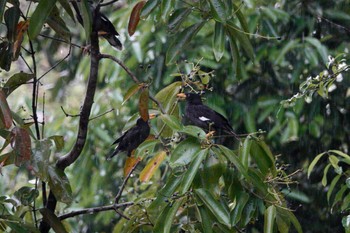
[147,173]
[129,164]
[22,28]
[21,145]
[5,112]
[143,104]
[135,17]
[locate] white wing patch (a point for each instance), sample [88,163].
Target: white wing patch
[202,118]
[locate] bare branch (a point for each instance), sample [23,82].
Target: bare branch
[133,76]
[94,210]
[69,115]
[119,195]
[93,118]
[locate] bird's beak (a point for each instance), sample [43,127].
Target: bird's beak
[152,115]
[181,96]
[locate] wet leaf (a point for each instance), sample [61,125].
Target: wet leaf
[39,17]
[181,41]
[143,104]
[171,121]
[135,17]
[194,131]
[167,96]
[241,201]
[59,185]
[15,81]
[147,173]
[263,157]
[21,144]
[5,112]
[53,220]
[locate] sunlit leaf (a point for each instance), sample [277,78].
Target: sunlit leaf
[21,144]
[135,17]
[181,41]
[143,104]
[5,112]
[53,220]
[39,17]
[214,206]
[59,185]
[270,215]
[151,167]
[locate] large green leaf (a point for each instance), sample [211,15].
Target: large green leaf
[148,8]
[219,41]
[192,170]
[241,201]
[177,18]
[39,17]
[166,217]
[66,6]
[269,221]
[15,81]
[182,40]
[167,96]
[263,157]
[171,121]
[244,151]
[206,221]
[215,206]
[59,185]
[218,10]
[242,37]
[57,24]
[184,152]
[165,7]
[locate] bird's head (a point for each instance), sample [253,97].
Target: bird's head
[191,98]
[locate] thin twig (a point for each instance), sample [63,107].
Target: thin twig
[108,3]
[93,118]
[132,75]
[121,189]
[69,115]
[94,210]
[63,41]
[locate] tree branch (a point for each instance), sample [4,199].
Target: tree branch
[133,76]
[94,210]
[119,195]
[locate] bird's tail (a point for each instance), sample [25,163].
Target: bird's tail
[114,153]
[114,41]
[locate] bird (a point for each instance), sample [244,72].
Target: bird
[132,138]
[198,114]
[103,25]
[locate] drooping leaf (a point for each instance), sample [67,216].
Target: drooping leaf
[143,104]
[11,17]
[22,28]
[39,17]
[181,41]
[135,17]
[21,144]
[15,81]
[245,150]
[241,201]
[148,8]
[57,24]
[321,49]
[53,220]
[194,131]
[59,185]
[240,36]
[166,217]
[236,60]
[151,167]
[270,215]
[192,170]
[2,9]
[263,157]
[129,164]
[66,6]
[289,215]
[218,10]
[205,220]
[131,91]
[221,214]
[219,41]
[313,163]
[5,112]
[177,18]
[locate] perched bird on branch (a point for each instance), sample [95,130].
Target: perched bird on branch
[104,27]
[132,138]
[198,114]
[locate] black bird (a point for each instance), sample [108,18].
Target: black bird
[198,114]
[132,138]
[104,27]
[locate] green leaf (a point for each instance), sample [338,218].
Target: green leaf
[131,91]
[2,8]
[39,17]
[146,148]
[165,7]
[66,6]
[26,195]
[15,81]
[171,121]
[219,41]
[192,170]
[184,152]
[53,220]
[148,8]
[263,157]
[221,214]
[339,195]
[59,141]
[342,154]
[332,185]
[11,17]
[181,41]
[241,201]
[345,203]
[177,18]
[289,215]
[166,217]
[313,163]
[289,46]
[296,195]
[321,49]
[206,221]
[324,178]
[218,10]
[59,185]
[236,60]
[86,14]
[57,24]
[270,216]
[194,131]
[245,150]
[243,38]
[41,158]
[346,223]
[167,96]
[241,17]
